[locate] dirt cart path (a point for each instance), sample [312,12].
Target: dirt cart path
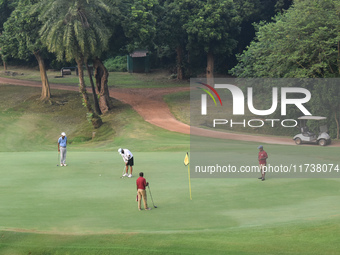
[150,105]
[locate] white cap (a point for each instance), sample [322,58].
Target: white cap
[120,150]
[63,134]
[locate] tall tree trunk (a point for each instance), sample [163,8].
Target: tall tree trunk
[179,63]
[95,119]
[45,91]
[101,75]
[210,68]
[95,98]
[4,63]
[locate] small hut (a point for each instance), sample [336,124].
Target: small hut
[138,61]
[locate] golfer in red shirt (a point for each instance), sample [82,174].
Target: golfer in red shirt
[141,193]
[262,161]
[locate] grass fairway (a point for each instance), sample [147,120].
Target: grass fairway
[86,208]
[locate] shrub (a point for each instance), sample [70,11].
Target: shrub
[116,64]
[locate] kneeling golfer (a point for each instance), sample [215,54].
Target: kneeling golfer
[128,159]
[141,185]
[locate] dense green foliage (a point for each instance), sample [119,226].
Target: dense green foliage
[20,38]
[6,7]
[211,26]
[175,32]
[302,42]
[139,23]
[117,64]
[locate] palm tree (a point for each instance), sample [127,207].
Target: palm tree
[76,30]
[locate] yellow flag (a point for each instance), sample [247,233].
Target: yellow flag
[186,160]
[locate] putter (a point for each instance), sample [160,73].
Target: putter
[123,172]
[151,197]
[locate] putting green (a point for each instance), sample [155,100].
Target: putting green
[89,197]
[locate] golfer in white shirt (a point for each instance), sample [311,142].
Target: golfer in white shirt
[128,159]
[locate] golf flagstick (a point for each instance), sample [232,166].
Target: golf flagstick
[186,162]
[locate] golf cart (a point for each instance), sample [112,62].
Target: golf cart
[322,138]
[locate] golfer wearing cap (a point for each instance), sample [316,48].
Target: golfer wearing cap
[62,142]
[262,161]
[128,159]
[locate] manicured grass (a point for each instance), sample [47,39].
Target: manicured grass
[312,239]
[85,208]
